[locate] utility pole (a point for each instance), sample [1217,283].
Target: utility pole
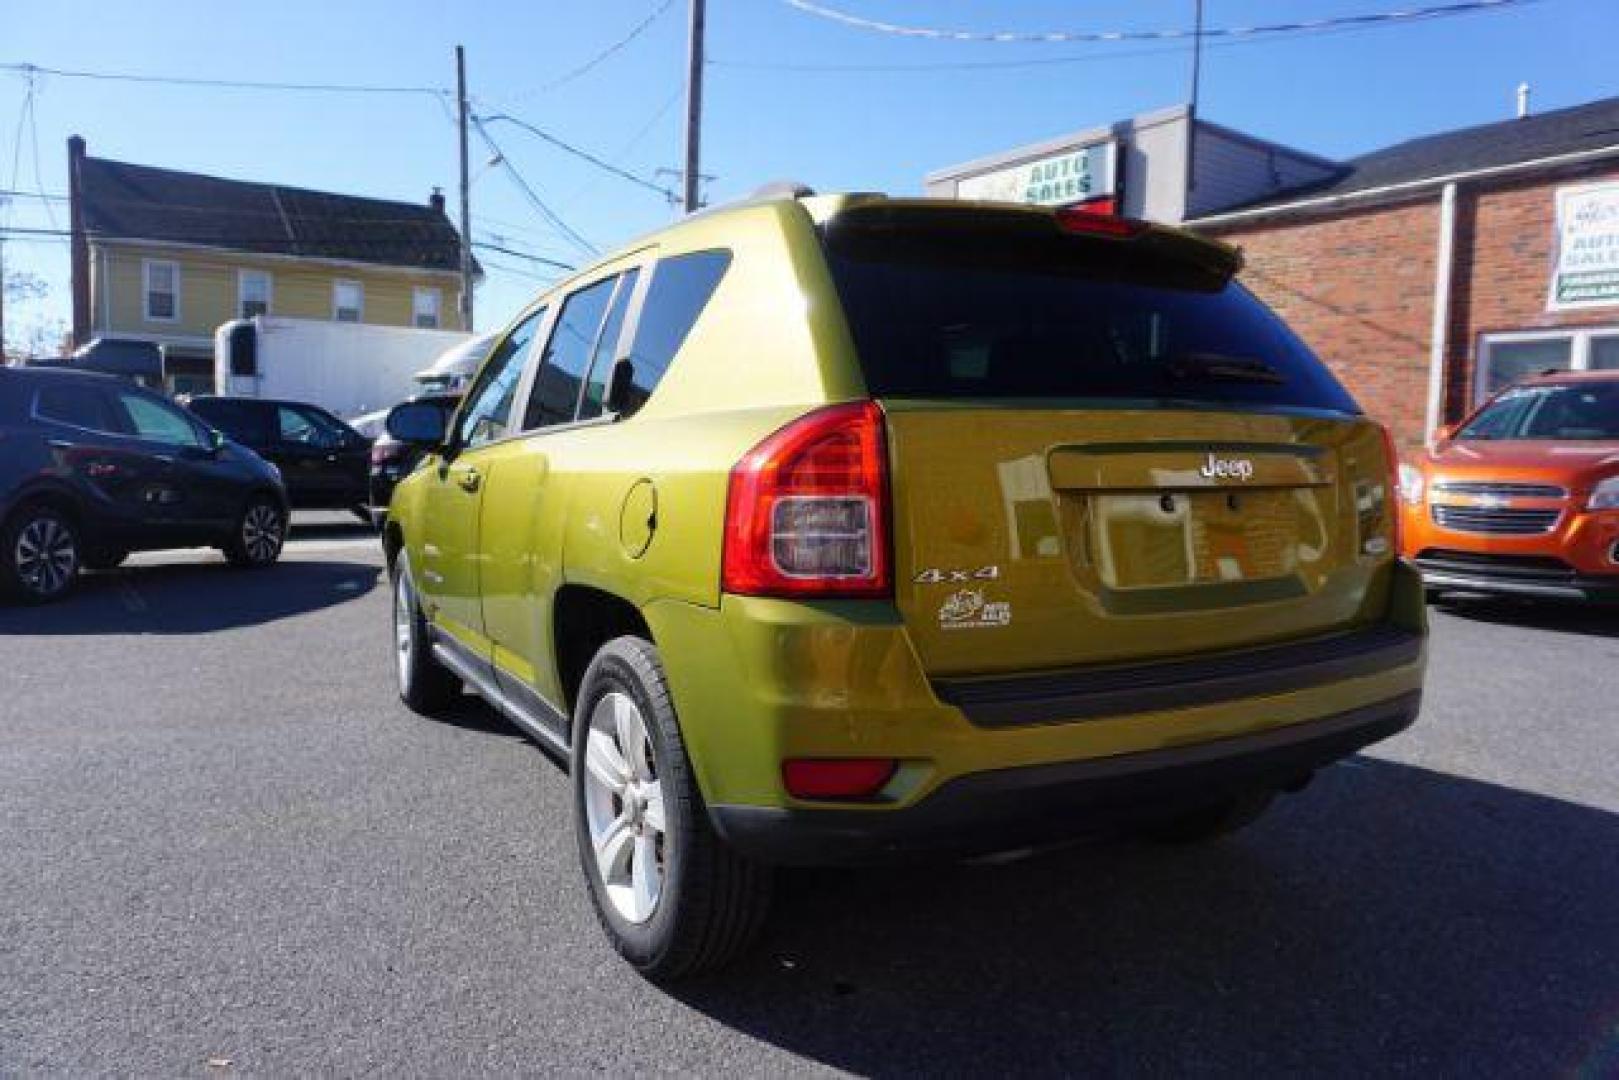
[466,192]
[1191,109]
[694,104]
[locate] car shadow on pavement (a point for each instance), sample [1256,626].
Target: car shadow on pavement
[1389,920]
[1569,617]
[192,598]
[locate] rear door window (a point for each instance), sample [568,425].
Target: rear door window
[940,314]
[574,340]
[77,406]
[680,289]
[601,364]
[248,422]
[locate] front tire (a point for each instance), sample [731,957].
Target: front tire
[40,555]
[671,897]
[256,541]
[425,685]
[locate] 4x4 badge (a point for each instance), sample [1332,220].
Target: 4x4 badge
[953,576]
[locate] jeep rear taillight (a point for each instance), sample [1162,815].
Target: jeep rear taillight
[807,510]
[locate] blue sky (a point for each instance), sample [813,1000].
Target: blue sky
[1335,94]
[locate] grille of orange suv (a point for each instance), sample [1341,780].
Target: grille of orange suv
[1495,520]
[1501,489]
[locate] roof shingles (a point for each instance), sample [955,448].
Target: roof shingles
[138,202]
[1592,126]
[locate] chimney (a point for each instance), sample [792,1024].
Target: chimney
[1523,100]
[79,246]
[436,200]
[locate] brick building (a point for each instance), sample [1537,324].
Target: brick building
[1427,274]
[1434,272]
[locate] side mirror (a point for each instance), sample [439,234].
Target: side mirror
[619,384]
[418,423]
[216,440]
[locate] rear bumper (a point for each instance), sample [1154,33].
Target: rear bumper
[1021,807]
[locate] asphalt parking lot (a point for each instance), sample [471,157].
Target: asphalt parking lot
[226,848]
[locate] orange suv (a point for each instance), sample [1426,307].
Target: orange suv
[1522,497]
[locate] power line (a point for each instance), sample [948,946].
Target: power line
[226,84]
[633,141]
[1280,37]
[1002,37]
[615,47]
[583,155]
[486,246]
[538,203]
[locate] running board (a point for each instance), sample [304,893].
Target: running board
[548,730]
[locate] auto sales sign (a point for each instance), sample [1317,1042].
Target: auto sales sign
[1080,175]
[1585,268]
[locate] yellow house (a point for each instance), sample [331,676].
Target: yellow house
[164,257]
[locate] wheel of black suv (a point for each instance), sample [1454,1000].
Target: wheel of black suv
[40,554]
[1210,822]
[425,685]
[259,534]
[672,898]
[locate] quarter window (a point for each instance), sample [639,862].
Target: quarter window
[567,356]
[348,301]
[680,290]
[487,413]
[162,290]
[424,308]
[252,293]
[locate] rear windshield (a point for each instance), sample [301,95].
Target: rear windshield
[1550,411]
[962,315]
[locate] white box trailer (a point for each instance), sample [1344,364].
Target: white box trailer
[346,368]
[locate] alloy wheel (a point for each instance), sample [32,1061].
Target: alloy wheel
[624,808]
[261,532]
[46,556]
[404,617]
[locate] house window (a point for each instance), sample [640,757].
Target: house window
[1506,358]
[424,308]
[161,281]
[252,293]
[348,301]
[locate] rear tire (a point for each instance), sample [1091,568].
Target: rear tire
[425,685]
[40,554]
[671,897]
[260,531]
[1210,822]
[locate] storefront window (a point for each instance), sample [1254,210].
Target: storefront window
[1605,353]
[1506,358]
[1509,361]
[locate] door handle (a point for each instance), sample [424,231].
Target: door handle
[469,479]
[60,444]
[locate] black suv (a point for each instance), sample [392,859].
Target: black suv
[324,463]
[93,467]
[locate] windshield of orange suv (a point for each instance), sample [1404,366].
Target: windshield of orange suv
[1550,411]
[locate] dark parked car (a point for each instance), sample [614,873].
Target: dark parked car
[323,461]
[93,467]
[392,460]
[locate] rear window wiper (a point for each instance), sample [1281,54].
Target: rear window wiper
[1218,366]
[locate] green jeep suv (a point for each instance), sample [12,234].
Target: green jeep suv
[837,529]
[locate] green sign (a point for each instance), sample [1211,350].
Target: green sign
[1069,177]
[1586,270]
